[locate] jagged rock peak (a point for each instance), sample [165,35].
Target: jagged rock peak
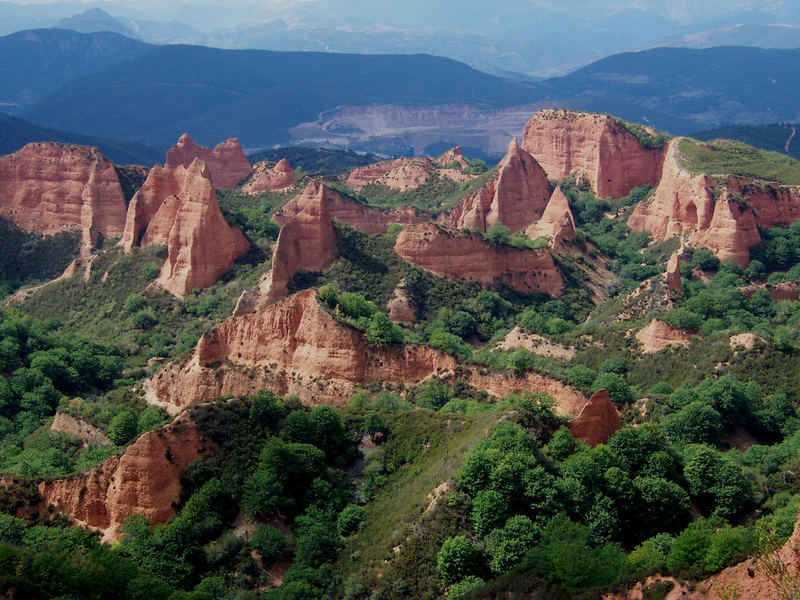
[227,163]
[178,208]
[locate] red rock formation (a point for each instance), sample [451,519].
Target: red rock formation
[595,146]
[144,480]
[722,214]
[453,155]
[597,421]
[178,208]
[657,335]
[306,243]
[292,347]
[48,188]
[463,255]
[368,219]
[557,222]
[517,196]
[400,308]
[226,163]
[269,177]
[674,282]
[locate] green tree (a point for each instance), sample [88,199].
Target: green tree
[509,544]
[489,509]
[349,519]
[270,543]
[381,331]
[457,559]
[497,235]
[615,385]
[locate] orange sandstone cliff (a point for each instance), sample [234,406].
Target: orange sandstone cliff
[557,222]
[306,243]
[48,188]
[292,347]
[268,177]
[595,146]
[360,216]
[226,162]
[515,197]
[405,174]
[144,480]
[597,421]
[713,212]
[454,155]
[464,255]
[178,208]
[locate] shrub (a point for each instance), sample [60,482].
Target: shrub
[497,235]
[144,320]
[269,542]
[150,271]
[123,427]
[615,385]
[381,331]
[349,519]
[134,303]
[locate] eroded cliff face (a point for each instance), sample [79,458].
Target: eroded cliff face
[594,146]
[598,420]
[292,347]
[226,162]
[368,219]
[48,188]
[268,177]
[557,223]
[144,480]
[514,198]
[463,255]
[177,208]
[712,212]
[306,243]
[454,155]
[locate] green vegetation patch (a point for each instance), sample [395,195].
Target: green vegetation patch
[729,157]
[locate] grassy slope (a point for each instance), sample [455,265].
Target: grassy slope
[735,158]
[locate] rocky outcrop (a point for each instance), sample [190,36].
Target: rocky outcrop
[557,223]
[519,338]
[716,212]
[786,290]
[400,307]
[454,155]
[89,435]
[227,163]
[144,480]
[306,243]
[400,174]
[347,210]
[292,347]
[515,197]
[48,188]
[268,177]
[567,400]
[597,147]
[597,421]
[673,275]
[177,208]
[463,255]
[657,335]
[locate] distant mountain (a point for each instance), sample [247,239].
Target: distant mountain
[257,95]
[781,35]
[777,137]
[93,20]
[312,160]
[15,133]
[682,90]
[37,62]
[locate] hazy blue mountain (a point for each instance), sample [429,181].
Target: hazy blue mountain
[38,62]
[95,19]
[256,95]
[15,133]
[683,90]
